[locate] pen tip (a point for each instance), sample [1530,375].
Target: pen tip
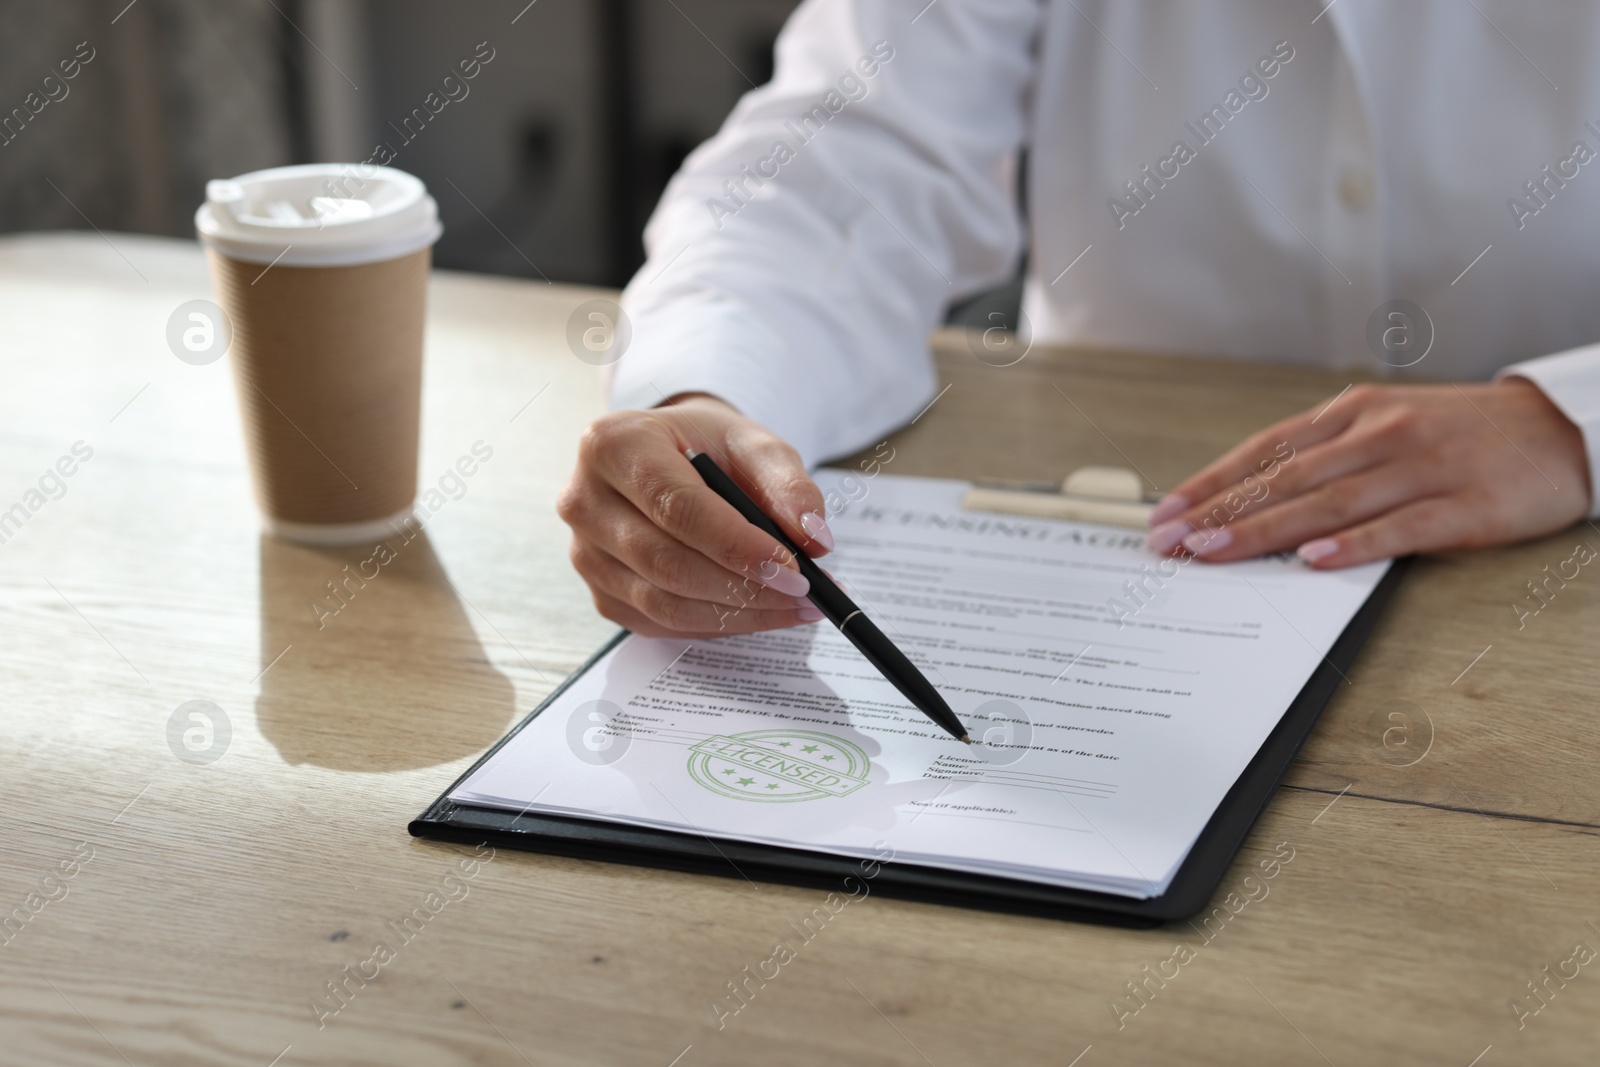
[966,740]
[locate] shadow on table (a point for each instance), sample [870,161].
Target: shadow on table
[386,675]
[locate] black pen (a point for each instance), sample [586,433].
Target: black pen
[838,608]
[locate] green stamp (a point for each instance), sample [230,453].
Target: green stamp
[779,766]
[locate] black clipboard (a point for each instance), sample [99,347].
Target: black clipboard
[1189,893]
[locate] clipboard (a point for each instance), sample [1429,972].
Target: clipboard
[1188,894]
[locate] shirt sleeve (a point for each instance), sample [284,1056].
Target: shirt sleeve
[799,260]
[1571,380]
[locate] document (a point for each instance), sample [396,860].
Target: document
[1113,697]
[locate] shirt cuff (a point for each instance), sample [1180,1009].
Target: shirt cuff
[709,344]
[1571,381]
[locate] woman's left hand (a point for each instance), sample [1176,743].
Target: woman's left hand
[1386,470]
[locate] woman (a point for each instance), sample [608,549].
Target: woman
[1404,188]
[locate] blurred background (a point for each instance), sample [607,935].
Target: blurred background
[547,163]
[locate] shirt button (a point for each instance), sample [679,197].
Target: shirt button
[1356,189]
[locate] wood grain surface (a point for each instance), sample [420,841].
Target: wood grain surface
[1443,820]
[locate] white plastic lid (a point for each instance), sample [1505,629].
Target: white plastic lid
[318,215]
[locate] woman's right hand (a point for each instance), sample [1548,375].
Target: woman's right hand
[666,556]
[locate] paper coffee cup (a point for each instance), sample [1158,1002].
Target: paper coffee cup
[323,270]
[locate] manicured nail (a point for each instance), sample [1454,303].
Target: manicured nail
[809,613]
[784,580]
[1167,507]
[1321,548]
[1165,537]
[816,528]
[1205,542]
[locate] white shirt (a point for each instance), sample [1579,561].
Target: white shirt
[1426,151]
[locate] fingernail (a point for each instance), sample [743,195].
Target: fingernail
[1167,507]
[1321,548]
[816,528]
[809,614]
[784,580]
[1205,542]
[1164,537]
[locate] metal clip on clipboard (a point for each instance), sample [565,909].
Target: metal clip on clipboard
[1110,495]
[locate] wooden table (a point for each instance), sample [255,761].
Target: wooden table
[1432,876]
